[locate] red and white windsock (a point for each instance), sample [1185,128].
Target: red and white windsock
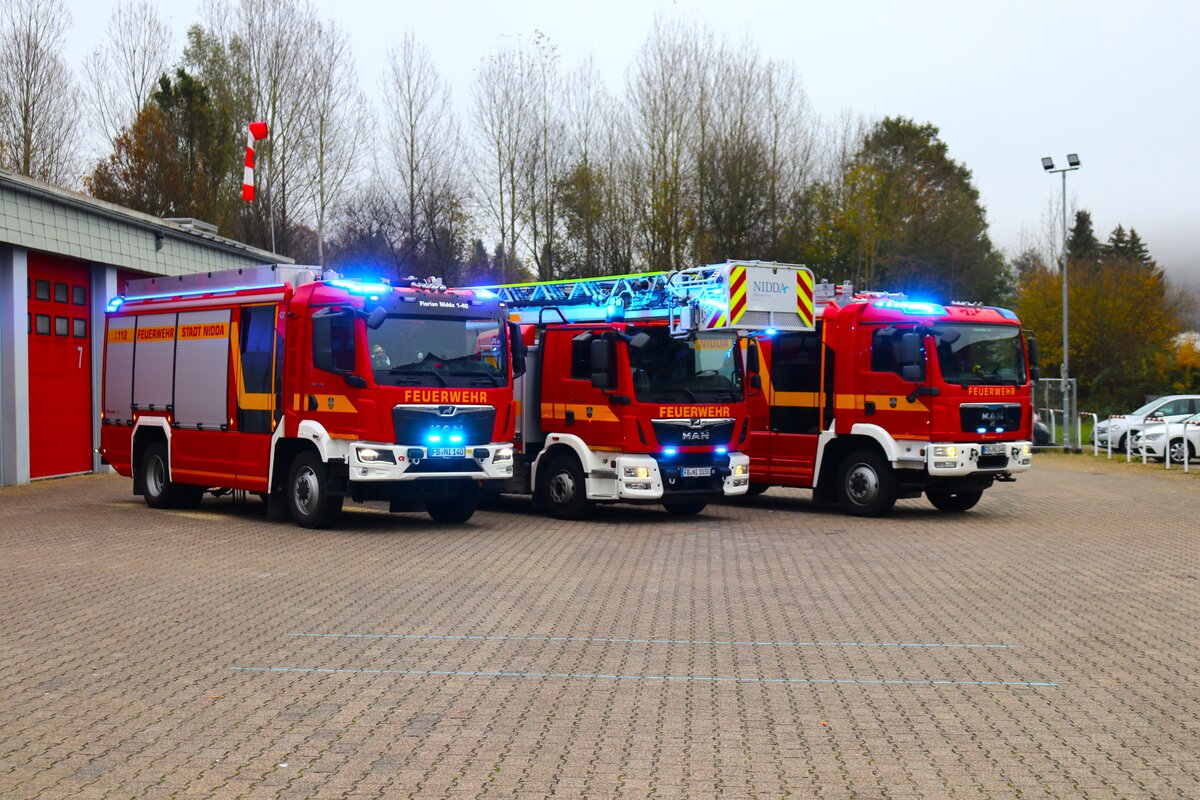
[258,130]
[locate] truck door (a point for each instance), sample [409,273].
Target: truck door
[885,392]
[794,400]
[257,357]
[203,444]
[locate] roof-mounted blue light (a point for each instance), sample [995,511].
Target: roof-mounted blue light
[486,294]
[362,287]
[114,304]
[913,307]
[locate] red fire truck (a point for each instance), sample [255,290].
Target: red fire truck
[886,398]
[636,388]
[307,389]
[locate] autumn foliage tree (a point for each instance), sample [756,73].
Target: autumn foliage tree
[1123,317]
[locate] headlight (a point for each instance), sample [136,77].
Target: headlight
[946,451]
[503,454]
[369,455]
[1150,437]
[739,469]
[637,472]
[1026,449]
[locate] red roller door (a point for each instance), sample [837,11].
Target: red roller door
[60,366]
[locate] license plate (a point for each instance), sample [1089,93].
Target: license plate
[447,452]
[697,472]
[994,449]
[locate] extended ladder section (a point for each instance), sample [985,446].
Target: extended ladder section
[737,295]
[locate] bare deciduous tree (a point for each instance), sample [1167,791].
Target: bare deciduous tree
[338,123]
[39,101]
[122,73]
[502,111]
[544,157]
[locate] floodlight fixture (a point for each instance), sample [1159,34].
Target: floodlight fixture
[1047,163]
[1073,159]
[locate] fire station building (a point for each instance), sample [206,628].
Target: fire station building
[63,256]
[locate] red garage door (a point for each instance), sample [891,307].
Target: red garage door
[60,367]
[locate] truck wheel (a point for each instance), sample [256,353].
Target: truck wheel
[456,509]
[866,485]
[308,498]
[757,489]
[948,500]
[563,489]
[157,488]
[684,509]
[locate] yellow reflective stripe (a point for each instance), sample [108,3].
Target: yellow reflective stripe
[796,399]
[580,410]
[882,402]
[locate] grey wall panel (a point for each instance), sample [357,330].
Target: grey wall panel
[118,369]
[154,361]
[202,369]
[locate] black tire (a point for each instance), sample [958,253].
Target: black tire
[563,490]
[307,492]
[866,484]
[757,489]
[156,487]
[684,509]
[456,509]
[953,501]
[158,490]
[1122,444]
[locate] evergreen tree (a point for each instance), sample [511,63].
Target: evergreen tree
[1082,244]
[1118,242]
[1138,250]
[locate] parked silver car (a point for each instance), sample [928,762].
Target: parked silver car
[1172,407]
[1177,438]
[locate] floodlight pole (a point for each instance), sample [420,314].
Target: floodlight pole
[1068,416]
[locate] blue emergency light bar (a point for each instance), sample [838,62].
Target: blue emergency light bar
[913,307]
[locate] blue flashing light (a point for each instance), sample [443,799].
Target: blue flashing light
[114,304]
[770,332]
[999,430]
[366,288]
[722,451]
[208,290]
[913,307]
[486,294]
[981,430]
[456,438]
[434,438]
[669,451]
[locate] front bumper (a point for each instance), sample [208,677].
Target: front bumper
[413,463]
[955,459]
[644,478]
[1154,448]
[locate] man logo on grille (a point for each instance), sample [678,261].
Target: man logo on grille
[446,411]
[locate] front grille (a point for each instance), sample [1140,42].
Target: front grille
[674,483]
[414,423]
[427,466]
[669,434]
[993,462]
[990,417]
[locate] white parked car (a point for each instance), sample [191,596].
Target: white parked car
[1172,407]
[1176,438]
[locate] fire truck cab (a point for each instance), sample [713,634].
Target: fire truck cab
[636,387]
[306,389]
[888,398]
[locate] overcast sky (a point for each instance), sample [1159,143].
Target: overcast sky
[1006,82]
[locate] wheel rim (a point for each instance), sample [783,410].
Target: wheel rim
[562,488]
[862,484]
[1177,452]
[305,491]
[156,476]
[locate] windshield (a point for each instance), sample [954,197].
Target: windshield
[982,354]
[449,351]
[704,368]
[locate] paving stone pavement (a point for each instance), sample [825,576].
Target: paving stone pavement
[1046,644]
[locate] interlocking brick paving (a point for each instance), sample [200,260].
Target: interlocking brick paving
[1043,645]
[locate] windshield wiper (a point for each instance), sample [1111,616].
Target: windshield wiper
[418,372]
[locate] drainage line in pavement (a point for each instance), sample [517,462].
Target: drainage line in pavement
[605,640]
[681,678]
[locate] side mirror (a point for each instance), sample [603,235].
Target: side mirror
[376,318]
[912,372]
[910,350]
[752,361]
[1031,346]
[755,381]
[1035,374]
[640,341]
[517,343]
[602,353]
